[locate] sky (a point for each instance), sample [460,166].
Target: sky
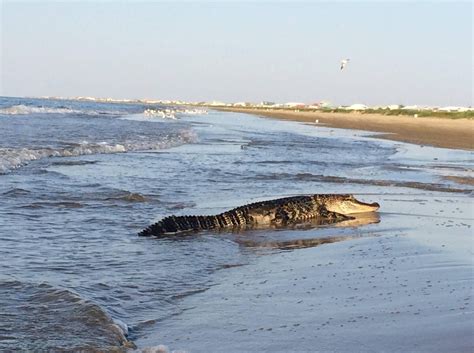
[400,52]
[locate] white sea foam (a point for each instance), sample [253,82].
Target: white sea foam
[25,110]
[158,349]
[165,113]
[12,158]
[172,113]
[194,111]
[121,325]
[168,113]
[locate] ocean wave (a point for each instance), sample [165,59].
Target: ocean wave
[15,192]
[172,113]
[127,196]
[27,109]
[60,204]
[40,317]
[73,163]
[161,113]
[157,349]
[12,158]
[345,180]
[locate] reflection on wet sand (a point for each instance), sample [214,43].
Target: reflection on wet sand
[460,179]
[293,244]
[361,219]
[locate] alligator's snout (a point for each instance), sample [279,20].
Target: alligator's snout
[375,205]
[349,205]
[359,207]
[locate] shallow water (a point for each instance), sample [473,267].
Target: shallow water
[80,179]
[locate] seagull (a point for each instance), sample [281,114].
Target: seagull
[344,63]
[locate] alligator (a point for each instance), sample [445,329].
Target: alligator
[324,208]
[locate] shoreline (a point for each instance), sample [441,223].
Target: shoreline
[437,132]
[396,286]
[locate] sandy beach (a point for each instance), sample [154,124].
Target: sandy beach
[384,287]
[438,132]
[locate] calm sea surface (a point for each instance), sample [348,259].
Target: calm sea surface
[78,180]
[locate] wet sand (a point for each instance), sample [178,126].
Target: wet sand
[438,132]
[385,287]
[461,180]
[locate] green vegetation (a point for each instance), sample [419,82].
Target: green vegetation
[419,113]
[394,112]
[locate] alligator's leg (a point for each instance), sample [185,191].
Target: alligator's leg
[329,217]
[298,214]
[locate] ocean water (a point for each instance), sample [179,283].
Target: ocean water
[80,179]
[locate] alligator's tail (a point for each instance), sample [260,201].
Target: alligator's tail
[177,224]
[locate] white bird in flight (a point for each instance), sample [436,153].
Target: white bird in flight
[344,63]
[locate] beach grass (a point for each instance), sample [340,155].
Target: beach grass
[389,112]
[405,112]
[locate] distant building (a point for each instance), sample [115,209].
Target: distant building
[266,104]
[411,107]
[357,106]
[295,105]
[216,103]
[319,105]
[417,107]
[453,109]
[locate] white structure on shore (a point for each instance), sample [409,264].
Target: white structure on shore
[357,106]
[294,105]
[266,104]
[454,109]
[216,104]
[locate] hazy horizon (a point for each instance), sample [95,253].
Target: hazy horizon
[400,53]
